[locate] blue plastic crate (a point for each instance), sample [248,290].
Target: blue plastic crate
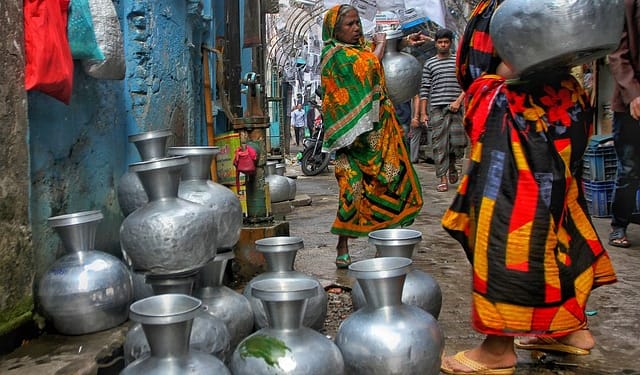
[599,195]
[599,139]
[600,164]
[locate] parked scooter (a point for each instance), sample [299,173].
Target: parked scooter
[313,160]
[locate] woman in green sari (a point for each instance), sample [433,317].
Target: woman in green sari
[378,185]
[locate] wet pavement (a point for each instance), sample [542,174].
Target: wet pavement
[614,320]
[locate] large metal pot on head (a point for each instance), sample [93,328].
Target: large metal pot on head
[535,35]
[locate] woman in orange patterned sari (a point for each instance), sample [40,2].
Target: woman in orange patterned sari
[378,185]
[520,212]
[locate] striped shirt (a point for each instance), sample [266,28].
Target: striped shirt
[439,83]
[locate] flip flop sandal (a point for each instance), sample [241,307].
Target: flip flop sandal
[343,261]
[549,344]
[618,238]
[441,188]
[475,367]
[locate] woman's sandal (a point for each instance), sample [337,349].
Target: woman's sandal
[441,188]
[549,344]
[343,261]
[475,367]
[618,238]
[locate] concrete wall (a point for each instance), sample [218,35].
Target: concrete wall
[79,151]
[16,255]
[59,159]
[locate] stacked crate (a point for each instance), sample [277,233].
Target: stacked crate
[599,174]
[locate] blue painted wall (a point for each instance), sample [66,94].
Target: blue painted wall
[78,152]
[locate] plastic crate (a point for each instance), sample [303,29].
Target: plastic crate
[600,164]
[600,139]
[599,195]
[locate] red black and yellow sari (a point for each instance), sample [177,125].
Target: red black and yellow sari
[378,185]
[520,212]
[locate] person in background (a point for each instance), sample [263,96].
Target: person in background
[520,212]
[624,64]
[403,111]
[378,185]
[440,108]
[310,114]
[299,121]
[415,130]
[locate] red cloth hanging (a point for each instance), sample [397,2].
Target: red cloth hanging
[245,161]
[49,65]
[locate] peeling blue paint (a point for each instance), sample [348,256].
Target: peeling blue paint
[78,152]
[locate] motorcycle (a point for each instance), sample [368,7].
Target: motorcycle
[313,160]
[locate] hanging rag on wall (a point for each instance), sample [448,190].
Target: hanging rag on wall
[82,38]
[49,64]
[110,41]
[245,162]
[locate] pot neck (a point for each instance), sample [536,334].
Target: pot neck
[212,274]
[168,340]
[161,178]
[280,261]
[391,48]
[270,168]
[171,285]
[284,300]
[383,292]
[394,251]
[284,315]
[78,230]
[199,168]
[151,145]
[166,320]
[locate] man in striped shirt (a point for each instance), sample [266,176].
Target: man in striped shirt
[441,100]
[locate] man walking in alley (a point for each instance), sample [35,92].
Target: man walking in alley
[624,64]
[441,100]
[298,119]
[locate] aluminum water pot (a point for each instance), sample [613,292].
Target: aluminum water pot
[537,35]
[151,145]
[293,187]
[168,235]
[167,323]
[286,346]
[402,71]
[279,188]
[420,288]
[85,290]
[209,334]
[280,254]
[225,303]
[196,186]
[388,337]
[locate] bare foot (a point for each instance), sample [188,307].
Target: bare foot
[582,339]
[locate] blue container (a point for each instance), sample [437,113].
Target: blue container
[600,164]
[599,195]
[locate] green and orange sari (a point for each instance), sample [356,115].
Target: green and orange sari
[520,211]
[378,185]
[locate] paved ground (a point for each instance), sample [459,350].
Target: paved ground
[615,323]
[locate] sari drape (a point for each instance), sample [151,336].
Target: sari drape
[520,211]
[378,184]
